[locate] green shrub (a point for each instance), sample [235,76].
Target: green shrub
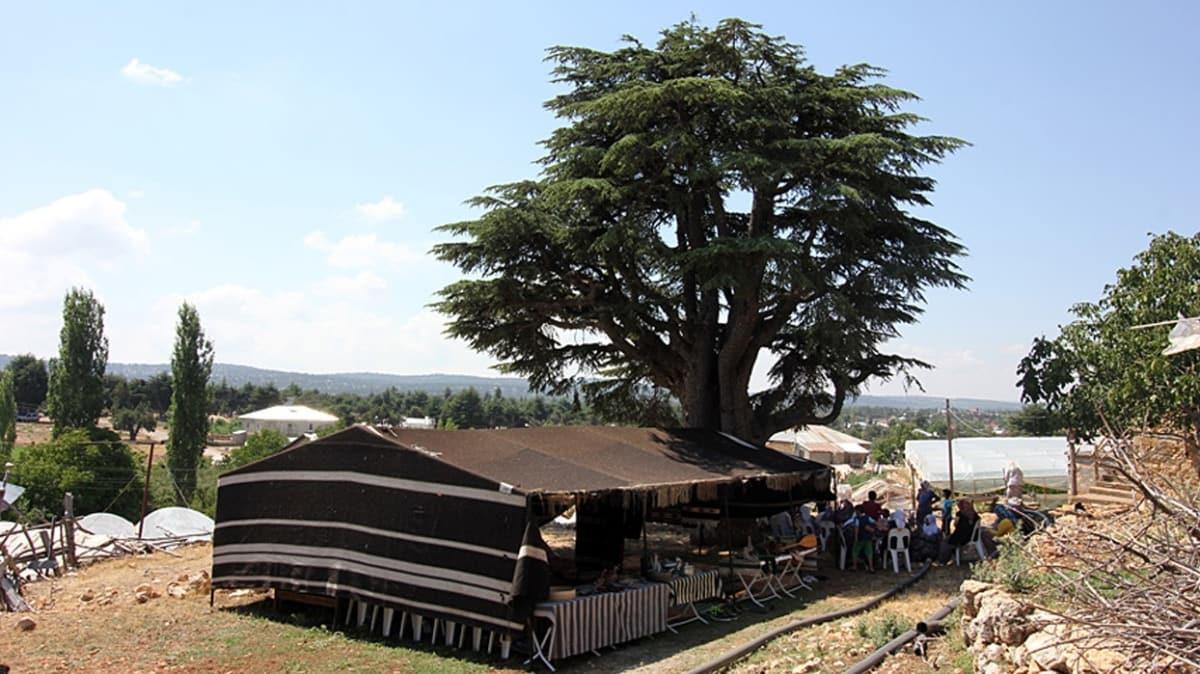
[260,445]
[95,466]
[1010,567]
[882,629]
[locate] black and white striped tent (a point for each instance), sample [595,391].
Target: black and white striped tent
[444,523]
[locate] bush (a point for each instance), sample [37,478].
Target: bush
[1010,568]
[258,446]
[100,470]
[879,631]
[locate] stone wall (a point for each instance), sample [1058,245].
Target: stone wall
[1006,634]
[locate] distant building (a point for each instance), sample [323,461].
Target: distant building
[417,422]
[291,420]
[823,445]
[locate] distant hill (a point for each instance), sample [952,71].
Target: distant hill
[374,382]
[932,402]
[341,382]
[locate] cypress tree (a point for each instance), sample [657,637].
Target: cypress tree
[76,393]
[191,366]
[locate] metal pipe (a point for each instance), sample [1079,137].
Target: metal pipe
[723,661]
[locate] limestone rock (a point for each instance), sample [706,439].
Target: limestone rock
[970,590]
[999,619]
[87,596]
[1046,651]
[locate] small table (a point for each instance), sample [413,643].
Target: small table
[594,621]
[687,590]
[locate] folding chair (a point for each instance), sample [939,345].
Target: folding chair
[897,545]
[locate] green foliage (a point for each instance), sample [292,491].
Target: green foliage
[1099,364]
[165,492]
[465,409]
[191,366]
[882,628]
[1010,567]
[258,445]
[154,393]
[8,416]
[1035,420]
[855,480]
[140,418]
[634,234]
[224,426]
[75,398]
[331,428]
[30,379]
[890,447]
[100,470]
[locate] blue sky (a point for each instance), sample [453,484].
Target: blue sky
[282,166]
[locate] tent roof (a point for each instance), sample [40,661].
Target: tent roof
[290,413]
[598,458]
[814,434]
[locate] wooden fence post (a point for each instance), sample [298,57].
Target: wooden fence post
[146,490]
[69,528]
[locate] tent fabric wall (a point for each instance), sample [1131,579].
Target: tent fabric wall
[979,463]
[358,516]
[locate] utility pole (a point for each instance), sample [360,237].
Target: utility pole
[950,445]
[146,490]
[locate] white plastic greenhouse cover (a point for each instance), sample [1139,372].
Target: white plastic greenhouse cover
[176,522]
[979,463]
[108,524]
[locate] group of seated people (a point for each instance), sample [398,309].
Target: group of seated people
[865,526]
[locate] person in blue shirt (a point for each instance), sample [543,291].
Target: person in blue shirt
[947,511]
[861,538]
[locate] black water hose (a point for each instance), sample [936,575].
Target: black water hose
[740,652]
[871,661]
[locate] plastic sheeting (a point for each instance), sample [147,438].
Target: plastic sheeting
[177,522]
[979,463]
[108,524]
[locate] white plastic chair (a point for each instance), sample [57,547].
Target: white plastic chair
[842,549]
[897,544]
[825,531]
[977,541]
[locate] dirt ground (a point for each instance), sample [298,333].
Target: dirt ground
[244,633]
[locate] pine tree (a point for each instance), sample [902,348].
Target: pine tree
[191,366]
[76,393]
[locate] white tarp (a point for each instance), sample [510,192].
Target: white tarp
[1185,336]
[177,522]
[979,463]
[107,524]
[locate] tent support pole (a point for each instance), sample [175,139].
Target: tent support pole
[728,530]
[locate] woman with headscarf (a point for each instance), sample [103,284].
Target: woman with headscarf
[899,518]
[926,540]
[925,498]
[1014,480]
[965,521]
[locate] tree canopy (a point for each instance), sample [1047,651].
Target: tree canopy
[29,379]
[1099,368]
[708,199]
[94,465]
[191,366]
[8,416]
[75,398]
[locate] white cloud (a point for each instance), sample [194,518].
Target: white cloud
[144,73]
[383,210]
[361,250]
[349,287]
[45,250]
